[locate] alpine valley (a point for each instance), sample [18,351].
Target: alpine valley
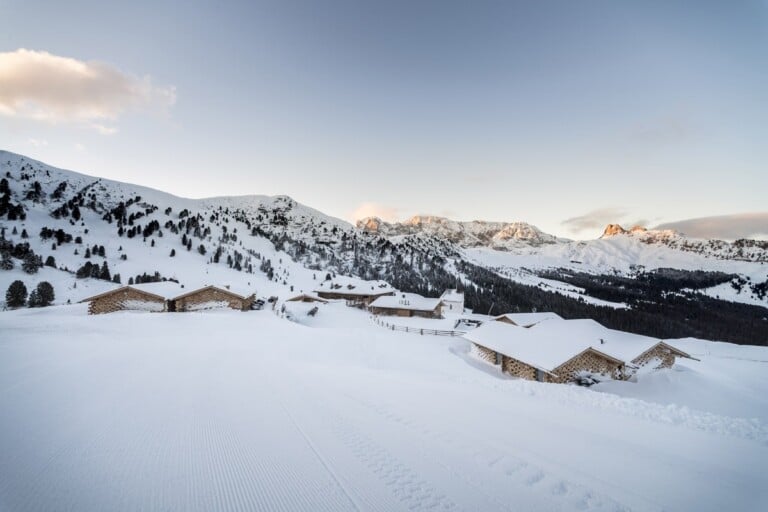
[84,234]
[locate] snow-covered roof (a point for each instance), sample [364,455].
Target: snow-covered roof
[542,350]
[220,288]
[453,295]
[411,301]
[549,344]
[529,319]
[353,286]
[160,290]
[165,289]
[619,344]
[305,296]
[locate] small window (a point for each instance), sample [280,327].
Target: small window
[539,375]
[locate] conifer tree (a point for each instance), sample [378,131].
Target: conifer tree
[16,295]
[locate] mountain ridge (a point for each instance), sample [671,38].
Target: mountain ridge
[92,227]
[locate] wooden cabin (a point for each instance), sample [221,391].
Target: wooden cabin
[562,350]
[356,292]
[407,304]
[211,297]
[660,355]
[125,298]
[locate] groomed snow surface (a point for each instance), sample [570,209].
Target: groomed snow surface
[223,410]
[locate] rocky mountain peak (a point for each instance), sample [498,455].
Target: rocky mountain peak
[613,230]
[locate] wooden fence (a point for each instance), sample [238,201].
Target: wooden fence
[417,330]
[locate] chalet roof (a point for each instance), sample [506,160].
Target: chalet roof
[619,344]
[351,286]
[545,349]
[410,301]
[121,289]
[209,287]
[452,295]
[528,319]
[309,296]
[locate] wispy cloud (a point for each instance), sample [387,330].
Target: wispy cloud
[46,87]
[364,210]
[662,130]
[38,143]
[594,219]
[726,227]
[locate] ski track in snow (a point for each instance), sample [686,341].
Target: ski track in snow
[232,411]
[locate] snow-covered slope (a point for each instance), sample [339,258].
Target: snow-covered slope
[277,246]
[208,223]
[739,250]
[235,411]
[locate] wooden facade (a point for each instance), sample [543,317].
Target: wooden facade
[590,361]
[661,354]
[211,297]
[405,312]
[125,298]
[352,298]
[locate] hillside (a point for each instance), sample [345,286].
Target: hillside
[94,233]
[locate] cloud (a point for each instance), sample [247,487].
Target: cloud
[725,227]
[374,210]
[595,219]
[41,86]
[664,130]
[38,143]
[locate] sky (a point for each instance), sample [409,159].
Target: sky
[565,114]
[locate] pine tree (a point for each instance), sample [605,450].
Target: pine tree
[104,274]
[42,296]
[173,253]
[87,252]
[46,294]
[50,261]
[16,295]
[31,263]
[6,262]
[24,233]
[34,299]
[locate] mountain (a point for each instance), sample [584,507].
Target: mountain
[85,234]
[743,249]
[496,235]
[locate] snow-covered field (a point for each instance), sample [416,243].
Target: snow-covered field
[248,411]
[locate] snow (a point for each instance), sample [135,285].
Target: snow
[529,319]
[409,301]
[226,410]
[452,295]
